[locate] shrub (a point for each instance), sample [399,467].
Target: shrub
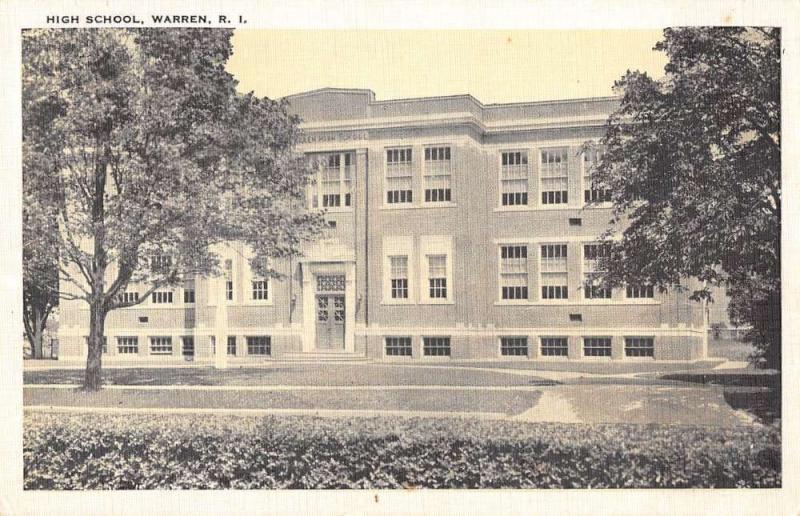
[221,452]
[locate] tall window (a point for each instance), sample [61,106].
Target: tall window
[398,346]
[188,292]
[554,176]
[592,193]
[188,346]
[514,179]
[334,187]
[160,297]
[554,271]
[398,176]
[437,276]
[160,345]
[232,345]
[160,263]
[228,270]
[436,346]
[128,297]
[399,276]
[127,345]
[258,345]
[437,174]
[514,272]
[596,346]
[639,291]
[260,290]
[593,257]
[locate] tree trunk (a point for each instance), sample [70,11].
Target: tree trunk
[97,320]
[38,335]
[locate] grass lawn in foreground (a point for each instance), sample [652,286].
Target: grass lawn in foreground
[218,452]
[288,374]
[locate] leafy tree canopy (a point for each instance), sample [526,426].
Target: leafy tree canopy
[693,165]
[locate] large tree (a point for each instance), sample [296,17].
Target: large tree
[139,144]
[693,165]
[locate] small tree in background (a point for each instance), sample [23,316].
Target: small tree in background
[693,164]
[138,146]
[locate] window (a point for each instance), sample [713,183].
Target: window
[188,346]
[232,345]
[399,276]
[513,272]
[554,176]
[639,347]
[436,346]
[160,345]
[597,346]
[104,346]
[333,188]
[591,193]
[127,345]
[514,179]
[161,297]
[514,346]
[258,345]
[437,276]
[554,271]
[593,257]
[160,263]
[398,346]
[188,292]
[554,346]
[639,291]
[128,297]
[398,176]
[436,178]
[228,270]
[260,290]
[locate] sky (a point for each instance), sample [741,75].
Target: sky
[494,66]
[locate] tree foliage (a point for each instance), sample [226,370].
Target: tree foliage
[143,147]
[693,165]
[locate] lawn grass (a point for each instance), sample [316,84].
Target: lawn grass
[730,349]
[63,452]
[288,374]
[442,400]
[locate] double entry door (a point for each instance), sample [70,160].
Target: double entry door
[330,321]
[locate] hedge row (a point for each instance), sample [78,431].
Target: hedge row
[200,452]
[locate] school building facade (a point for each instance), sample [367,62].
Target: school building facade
[456,230]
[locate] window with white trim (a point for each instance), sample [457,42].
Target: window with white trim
[260,345]
[592,192]
[160,345]
[188,292]
[228,271]
[398,346]
[553,272]
[513,272]
[160,263]
[437,276]
[260,290]
[104,346]
[639,347]
[127,345]
[639,291]
[334,184]
[232,345]
[188,346]
[597,346]
[554,346]
[437,173]
[399,175]
[161,297]
[436,346]
[128,297]
[593,258]
[514,178]
[514,346]
[554,176]
[398,277]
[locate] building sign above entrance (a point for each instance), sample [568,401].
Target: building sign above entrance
[334,136]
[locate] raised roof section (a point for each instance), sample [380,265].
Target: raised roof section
[352,106]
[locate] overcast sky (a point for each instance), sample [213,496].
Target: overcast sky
[494,66]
